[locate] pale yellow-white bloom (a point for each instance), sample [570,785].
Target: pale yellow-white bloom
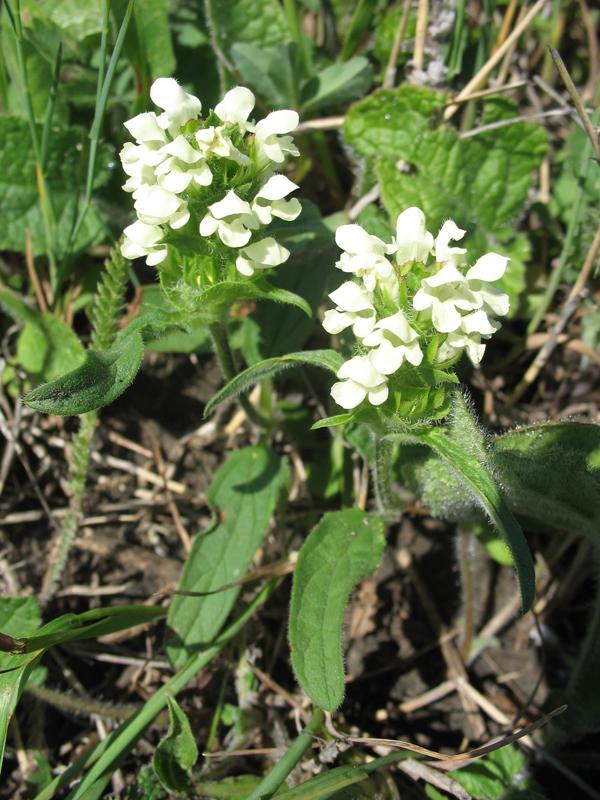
[231,219]
[269,201]
[142,240]
[413,242]
[178,106]
[395,342]
[271,145]
[353,308]
[263,254]
[156,206]
[359,380]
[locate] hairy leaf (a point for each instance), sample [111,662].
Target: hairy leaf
[258,22]
[243,495]
[479,481]
[481,182]
[326,359]
[341,550]
[104,375]
[551,475]
[19,201]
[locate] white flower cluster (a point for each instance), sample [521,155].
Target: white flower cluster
[174,158]
[462,305]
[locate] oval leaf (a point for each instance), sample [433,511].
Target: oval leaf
[341,550]
[326,359]
[103,376]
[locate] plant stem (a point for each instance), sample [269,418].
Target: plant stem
[276,777]
[220,340]
[104,317]
[382,475]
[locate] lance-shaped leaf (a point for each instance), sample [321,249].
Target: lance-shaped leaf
[341,550]
[221,296]
[243,494]
[326,359]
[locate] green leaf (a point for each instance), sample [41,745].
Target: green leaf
[221,296]
[482,182]
[47,347]
[551,475]
[337,84]
[277,330]
[326,359]
[480,482]
[154,32]
[19,616]
[498,776]
[243,495]
[340,551]
[229,788]
[258,22]
[88,625]
[19,203]
[323,785]
[103,376]
[176,753]
[333,422]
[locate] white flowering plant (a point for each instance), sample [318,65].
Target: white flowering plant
[205,190]
[414,306]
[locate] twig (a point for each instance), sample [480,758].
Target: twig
[486,92]
[419,771]
[421,34]
[322,124]
[503,123]
[390,70]
[30,264]
[567,312]
[370,197]
[496,57]
[583,115]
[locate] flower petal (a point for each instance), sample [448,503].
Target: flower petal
[413,241]
[276,188]
[348,394]
[445,317]
[231,205]
[236,106]
[379,394]
[490,267]
[350,297]
[145,128]
[448,232]
[277,122]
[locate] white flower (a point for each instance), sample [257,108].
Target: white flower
[364,256]
[360,379]
[142,240]
[145,128]
[270,144]
[490,267]
[413,241]
[269,201]
[139,162]
[176,173]
[179,107]
[156,206]
[446,294]
[236,107]
[396,342]
[457,342]
[232,219]
[213,142]
[443,252]
[354,308]
[264,254]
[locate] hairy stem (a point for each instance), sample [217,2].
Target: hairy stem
[104,317]
[220,340]
[276,777]
[382,476]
